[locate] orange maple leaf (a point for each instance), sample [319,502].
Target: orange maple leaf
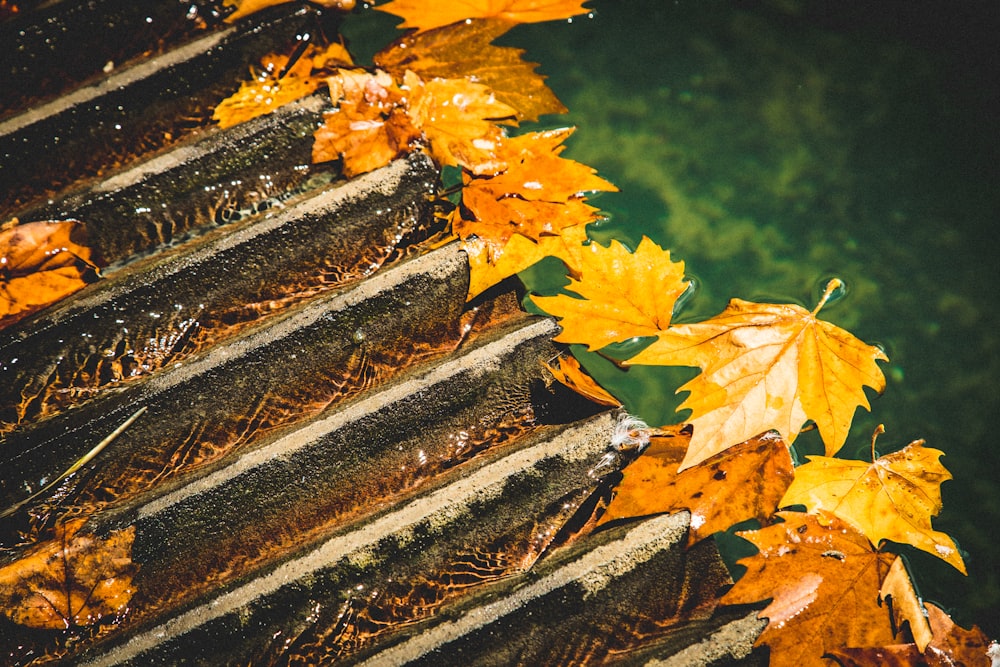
[464,50]
[892,498]
[76,579]
[39,264]
[743,482]
[276,84]
[767,366]
[425,15]
[823,580]
[625,295]
[247,7]
[570,373]
[369,127]
[458,118]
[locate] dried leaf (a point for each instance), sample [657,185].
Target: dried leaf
[273,87]
[624,294]
[369,128]
[744,482]
[425,15]
[764,367]
[458,118]
[40,264]
[247,7]
[76,579]
[463,50]
[823,581]
[893,498]
[905,604]
[571,374]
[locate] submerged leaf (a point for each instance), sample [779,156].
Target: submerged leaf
[76,579]
[893,498]
[764,367]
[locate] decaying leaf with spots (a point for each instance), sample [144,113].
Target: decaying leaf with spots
[464,50]
[743,482]
[764,367]
[892,498]
[425,15]
[625,295]
[822,579]
[570,373]
[276,83]
[369,127]
[951,645]
[40,263]
[76,579]
[247,7]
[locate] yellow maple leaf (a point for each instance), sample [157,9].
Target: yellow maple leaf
[570,373]
[906,604]
[892,498]
[764,367]
[425,15]
[625,295]
[247,7]
[458,118]
[464,50]
[276,84]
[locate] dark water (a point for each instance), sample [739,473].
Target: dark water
[773,145]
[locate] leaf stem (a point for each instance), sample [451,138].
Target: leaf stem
[831,286]
[879,430]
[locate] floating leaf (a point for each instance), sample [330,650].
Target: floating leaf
[823,581]
[276,84]
[743,482]
[893,498]
[573,376]
[624,294]
[463,50]
[905,604]
[425,15]
[764,367]
[458,117]
[39,264]
[247,7]
[76,579]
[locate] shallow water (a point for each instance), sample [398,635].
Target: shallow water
[771,147]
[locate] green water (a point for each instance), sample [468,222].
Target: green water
[771,146]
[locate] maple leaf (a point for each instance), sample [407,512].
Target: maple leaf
[276,84]
[39,264]
[897,587]
[743,482]
[892,498]
[764,367]
[570,373]
[464,50]
[425,15]
[76,579]
[624,294]
[458,118]
[822,580]
[247,7]
[369,128]
[951,645]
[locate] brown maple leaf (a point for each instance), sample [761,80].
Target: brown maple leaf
[464,50]
[425,15]
[625,295]
[743,482]
[276,83]
[822,580]
[369,127]
[892,498]
[76,579]
[40,263]
[764,367]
